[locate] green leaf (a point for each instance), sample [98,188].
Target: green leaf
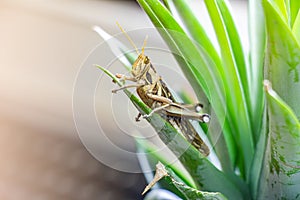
[282,66]
[196,30]
[280,177]
[197,66]
[234,42]
[294,10]
[237,106]
[258,160]
[282,8]
[198,34]
[191,193]
[296,28]
[257,37]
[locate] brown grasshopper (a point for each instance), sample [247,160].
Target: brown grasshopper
[155,94]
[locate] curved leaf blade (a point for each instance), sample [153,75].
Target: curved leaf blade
[282,59]
[281,170]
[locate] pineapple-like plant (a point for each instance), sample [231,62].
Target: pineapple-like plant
[254,98]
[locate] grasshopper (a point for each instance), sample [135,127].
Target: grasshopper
[155,94]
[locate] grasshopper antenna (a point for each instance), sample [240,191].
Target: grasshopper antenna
[144,44]
[127,36]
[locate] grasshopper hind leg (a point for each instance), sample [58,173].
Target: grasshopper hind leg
[192,136]
[155,110]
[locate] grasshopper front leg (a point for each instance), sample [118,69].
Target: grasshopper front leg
[127,86]
[124,78]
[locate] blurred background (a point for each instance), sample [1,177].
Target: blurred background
[42,47]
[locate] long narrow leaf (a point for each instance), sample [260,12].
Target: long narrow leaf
[235,43]
[197,32]
[238,112]
[257,37]
[258,162]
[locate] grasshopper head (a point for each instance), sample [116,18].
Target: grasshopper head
[140,65]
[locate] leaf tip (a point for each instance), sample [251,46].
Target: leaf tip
[267,85]
[101,32]
[159,174]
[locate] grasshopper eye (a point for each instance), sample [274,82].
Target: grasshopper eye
[147,60]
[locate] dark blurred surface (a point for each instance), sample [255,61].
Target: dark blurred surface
[40,164]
